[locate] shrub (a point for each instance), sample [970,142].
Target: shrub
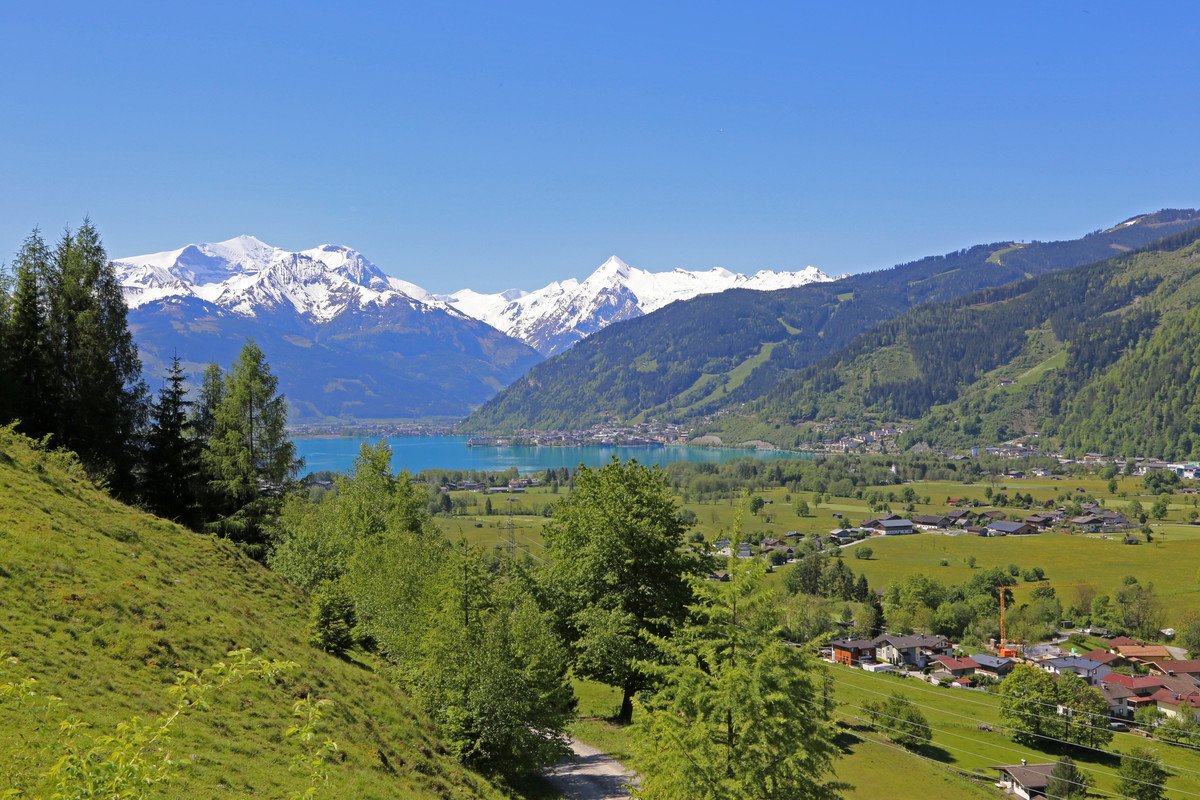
[332,620]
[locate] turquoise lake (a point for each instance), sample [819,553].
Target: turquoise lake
[415,453]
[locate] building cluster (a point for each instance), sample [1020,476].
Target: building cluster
[1129,674]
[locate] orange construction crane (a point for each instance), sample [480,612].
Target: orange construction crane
[1004,650]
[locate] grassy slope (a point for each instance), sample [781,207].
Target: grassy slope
[102,603]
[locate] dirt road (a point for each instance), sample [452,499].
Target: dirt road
[590,775]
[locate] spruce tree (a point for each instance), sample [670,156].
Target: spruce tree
[103,404]
[32,354]
[172,462]
[249,459]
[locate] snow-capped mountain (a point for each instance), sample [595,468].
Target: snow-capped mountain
[556,316]
[346,340]
[247,277]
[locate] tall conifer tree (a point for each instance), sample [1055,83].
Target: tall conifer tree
[104,397]
[172,462]
[249,458]
[32,354]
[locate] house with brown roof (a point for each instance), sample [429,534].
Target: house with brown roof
[1179,705]
[1140,654]
[930,522]
[958,667]
[1189,667]
[916,650]
[1025,780]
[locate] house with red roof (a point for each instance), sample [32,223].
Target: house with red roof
[1180,705]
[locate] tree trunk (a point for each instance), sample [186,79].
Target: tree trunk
[625,716]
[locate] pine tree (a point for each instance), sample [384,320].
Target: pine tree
[204,412]
[249,459]
[171,475]
[1142,775]
[32,354]
[739,714]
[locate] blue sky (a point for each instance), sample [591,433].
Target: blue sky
[508,144]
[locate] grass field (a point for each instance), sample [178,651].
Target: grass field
[1172,561]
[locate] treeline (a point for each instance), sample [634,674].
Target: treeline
[70,376]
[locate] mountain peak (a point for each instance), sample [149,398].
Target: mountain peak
[612,267]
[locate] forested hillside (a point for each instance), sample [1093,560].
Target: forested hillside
[1099,357]
[696,357]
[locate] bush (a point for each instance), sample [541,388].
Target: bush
[332,620]
[863,553]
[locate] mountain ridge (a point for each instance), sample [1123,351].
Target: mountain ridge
[708,355]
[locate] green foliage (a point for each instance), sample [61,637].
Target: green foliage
[172,475]
[332,620]
[1025,695]
[1067,781]
[1142,775]
[863,552]
[731,692]
[70,369]
[129,762]
[250,459]
[900,721]
[617,571]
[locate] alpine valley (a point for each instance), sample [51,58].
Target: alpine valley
[350,342]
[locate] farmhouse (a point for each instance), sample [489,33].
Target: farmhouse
[1002,528]
[1041,521]
[891,527]
[1025,780]
[1088,523]
[959,516]
[929,522]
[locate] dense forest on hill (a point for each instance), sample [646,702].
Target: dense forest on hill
[1100,357]
[715,351]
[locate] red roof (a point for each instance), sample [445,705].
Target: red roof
[1133,683]
[1178,666]
[1173,698]
[1103,656]
[955,664]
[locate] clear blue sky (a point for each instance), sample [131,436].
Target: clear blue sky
[505,143]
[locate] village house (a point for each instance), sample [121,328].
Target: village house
[1025,780]
[915,650]
[1108,658]
[1179,705]
[1188,667]
[992,666]
[1141,654]
[851,651]
[1041,521]
[1090,671]
[957,667]
[959,517]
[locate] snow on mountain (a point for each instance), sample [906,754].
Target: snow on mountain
[246,276]
[556,316]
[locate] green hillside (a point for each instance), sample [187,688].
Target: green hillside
[1098,357]
[716,352]
[102,604]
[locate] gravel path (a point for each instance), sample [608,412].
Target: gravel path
[590,775]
